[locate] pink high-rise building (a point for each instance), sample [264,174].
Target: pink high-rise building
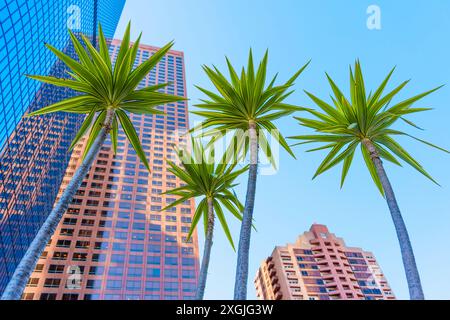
[114,242]
[319,266]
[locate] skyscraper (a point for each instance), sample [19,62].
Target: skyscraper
[34,152]
[319,266]
[114,242]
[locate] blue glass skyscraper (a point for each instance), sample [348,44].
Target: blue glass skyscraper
[34,152]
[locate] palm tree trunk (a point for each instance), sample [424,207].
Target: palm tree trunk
[26,266]
[240,287]
[409,262]
[206,252]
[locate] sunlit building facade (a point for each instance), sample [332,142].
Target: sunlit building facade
[114,243]
[34,152]
[319,266]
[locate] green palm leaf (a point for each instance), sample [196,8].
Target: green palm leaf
[204,179]
[243,99]
[361,118]
[105,87]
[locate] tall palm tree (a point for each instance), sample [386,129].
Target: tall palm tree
[367,121]
[108,93]
[213,184]
[247,107]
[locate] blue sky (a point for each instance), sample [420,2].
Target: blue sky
[333,34]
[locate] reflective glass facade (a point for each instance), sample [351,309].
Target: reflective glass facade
[114,243]
[34,152]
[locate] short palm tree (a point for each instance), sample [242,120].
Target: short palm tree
[108,93]
[367,121]
[212,183]
[245,106]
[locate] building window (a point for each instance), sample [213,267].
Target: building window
[188,262]
[154,260]
[94,284]
[52,283]
[114,284]
[115,271]
[152,286]
[79,256]
[96,271]
[28,296]
[56,269]
[171,286]
[133,285]
[118,258]
[33,282]
[153,273]
[135,259]
[48,296]
[171,261]
[60,256]
[70,297]
[39,268]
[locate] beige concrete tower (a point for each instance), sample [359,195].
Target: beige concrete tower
[114,242]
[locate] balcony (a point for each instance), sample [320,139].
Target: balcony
[334,292]
[274,280]
[325,268]
[276,288]
[331,284]
[278,296]
[319,255]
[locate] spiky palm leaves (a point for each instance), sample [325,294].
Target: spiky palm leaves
[246,106]
[244,103]
[107,88]
[367,120]
[108,93]
[202,178]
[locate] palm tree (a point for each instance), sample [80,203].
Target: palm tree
[246,107]
[367,121]
[108,93]
[213,183]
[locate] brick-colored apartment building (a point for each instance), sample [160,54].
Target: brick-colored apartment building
[114,243]
[319,266]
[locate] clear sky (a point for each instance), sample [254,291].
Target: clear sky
[414,36]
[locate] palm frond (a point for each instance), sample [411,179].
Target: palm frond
[244,98]
[347,122]
[204,179]
[104,86]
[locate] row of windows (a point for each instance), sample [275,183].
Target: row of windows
[75,296]
[129,285]
[117,271]
[120,246]
[124,225]
[122,258]
[120,224]
[127,215]
[119,235]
